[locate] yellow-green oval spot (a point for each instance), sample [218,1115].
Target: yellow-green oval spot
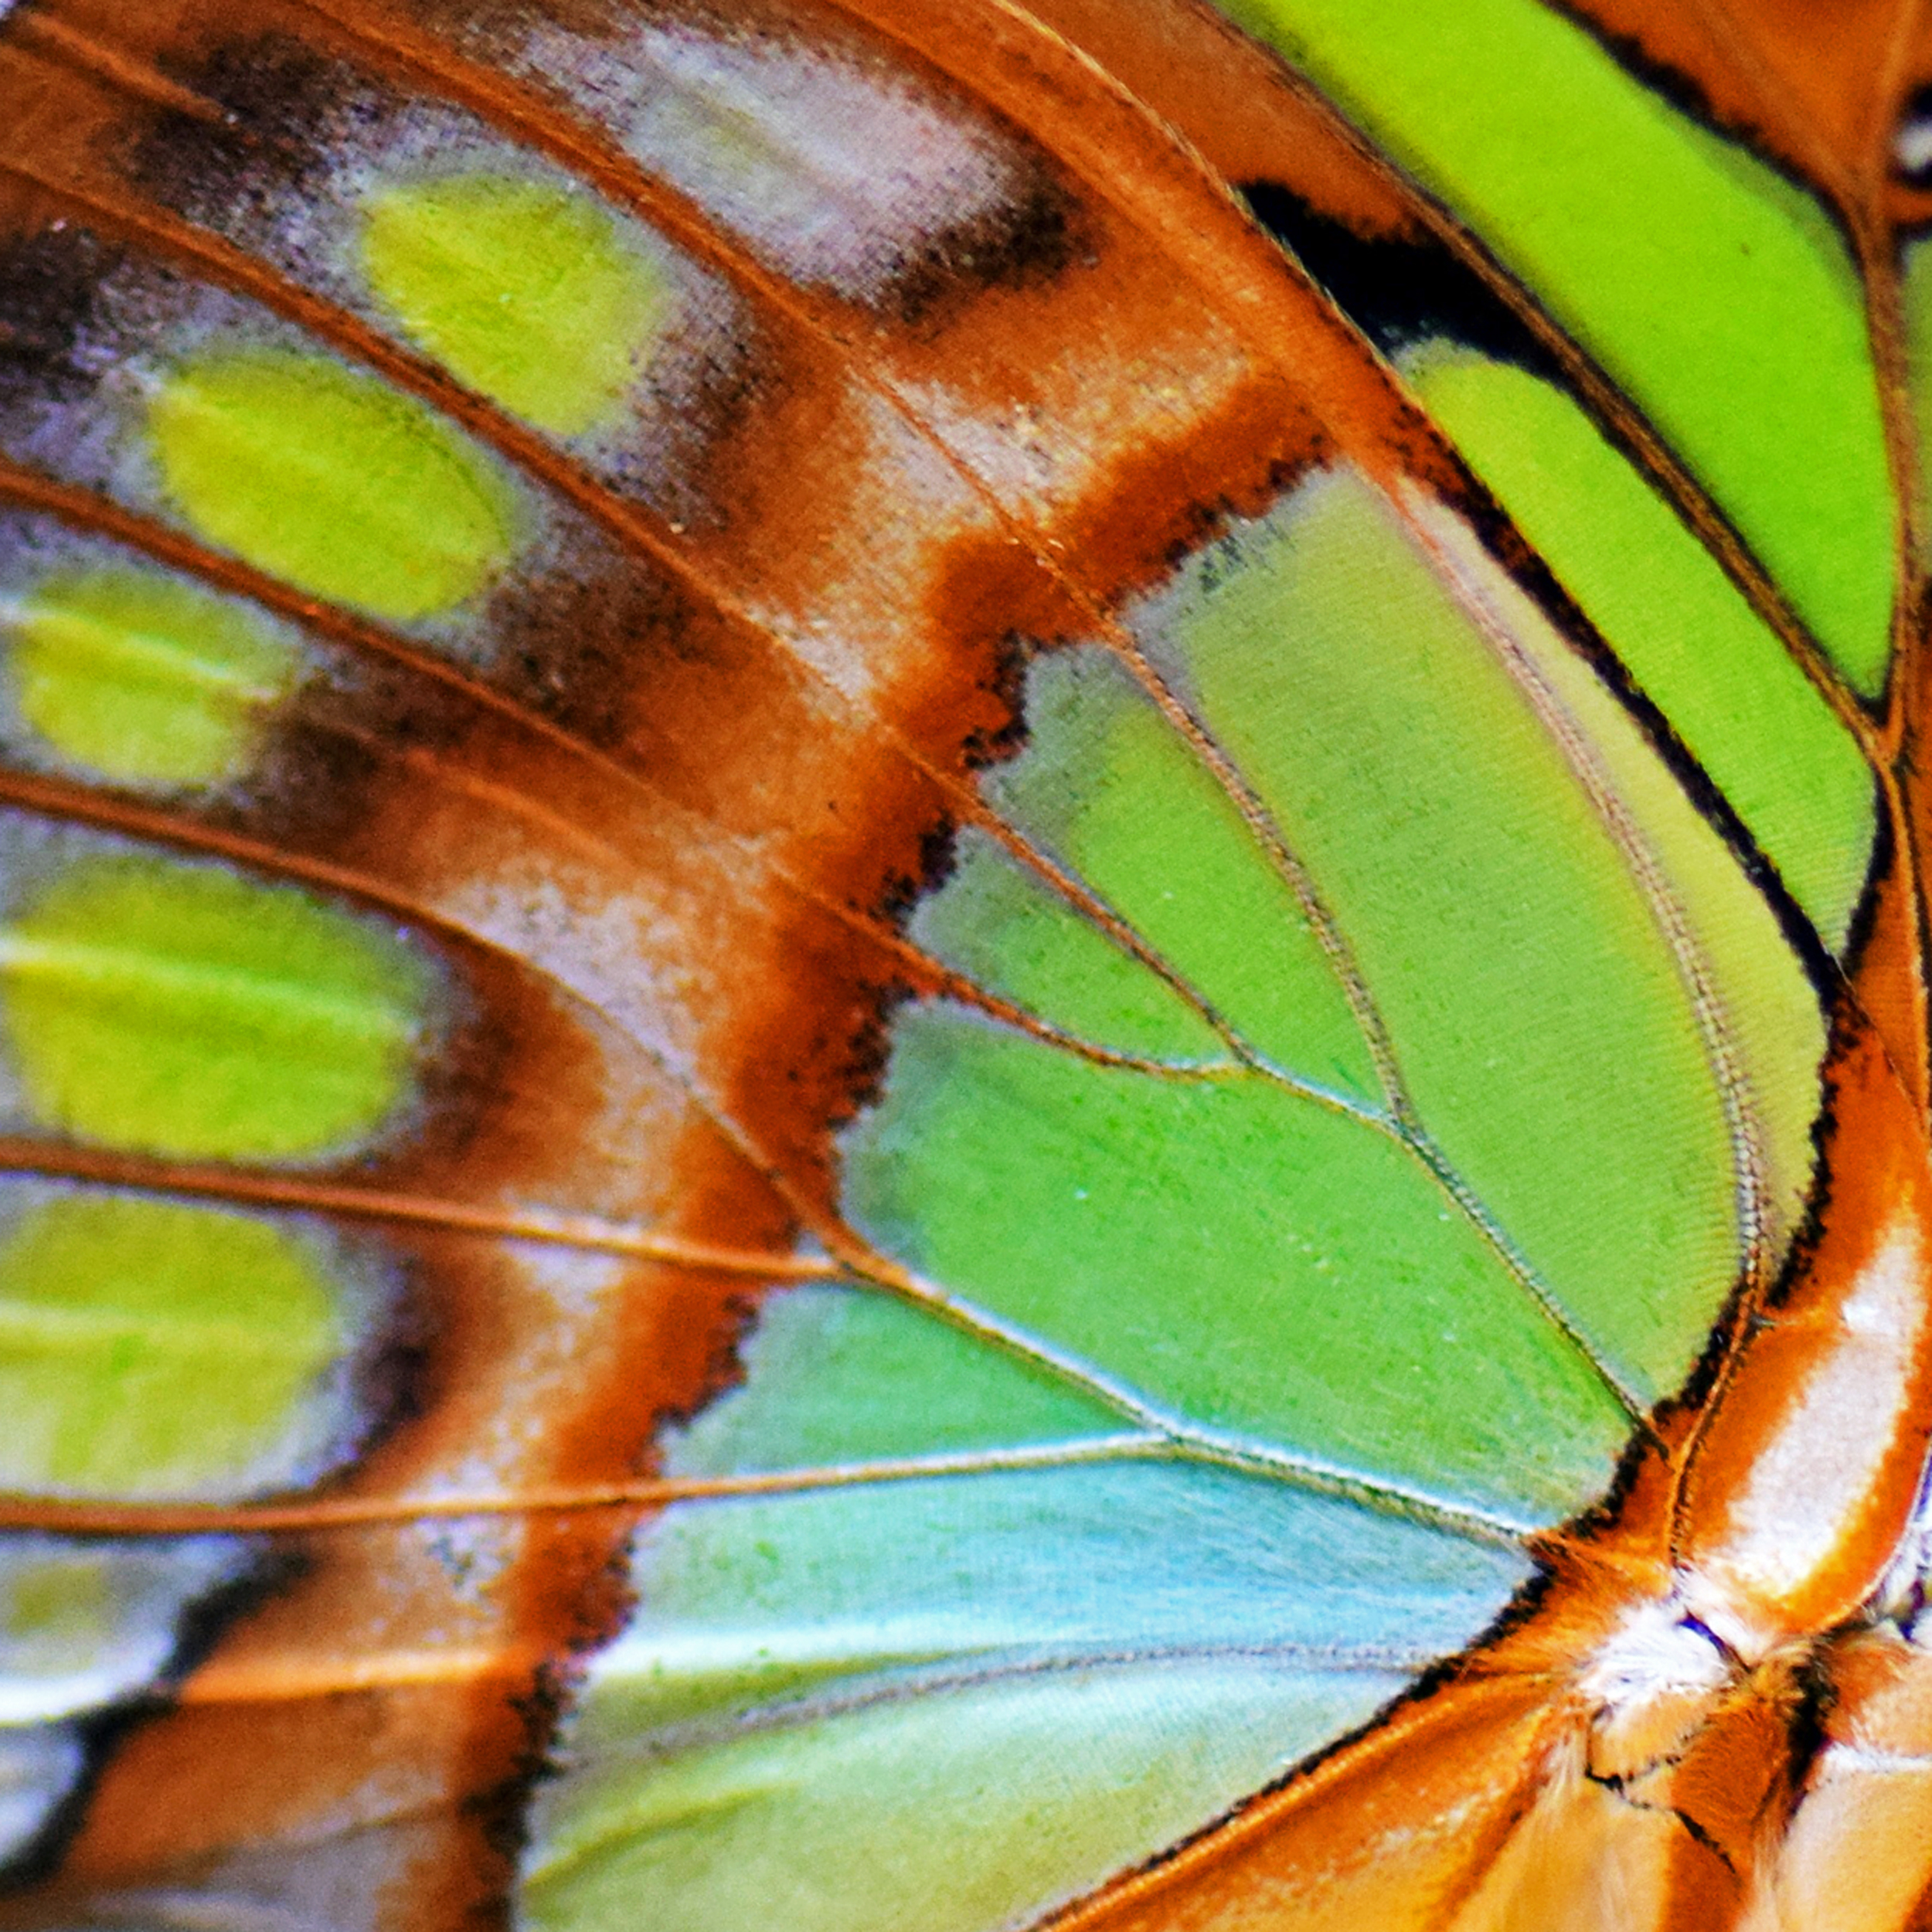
[182,1010]
[143,679]
[332,479]
[526,292]
[147,1346]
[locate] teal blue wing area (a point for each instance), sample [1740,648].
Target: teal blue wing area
[952,1698]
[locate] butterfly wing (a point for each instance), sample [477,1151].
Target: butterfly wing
[606,720]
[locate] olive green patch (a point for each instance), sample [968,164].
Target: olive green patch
[145,1344]
[143,679]
[69,1596]
[526,292]
[185,1011]
[1915,298]
[332,479]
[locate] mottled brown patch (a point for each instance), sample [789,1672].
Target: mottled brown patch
[275,102]
[51,275]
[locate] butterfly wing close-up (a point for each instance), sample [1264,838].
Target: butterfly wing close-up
[963,965]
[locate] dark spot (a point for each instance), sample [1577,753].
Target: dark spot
[276,104]
[312,788]
[52,281]
[1697,1626]
[392,1375]
[1908,1619]
[1028,240]
[938,853]
[1397,291]
[859,1081]
[330,751]
[1007,684]
[580,646]
[1912,140]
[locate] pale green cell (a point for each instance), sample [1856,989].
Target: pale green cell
[837,1374]
[1069,1667]
[952,1814]
[1013,935]
[69,1596]
[1545,1030]
[1714,292]
[143,679]
[319,474]
[1247,1259]
[148,1347]
[180,1010]
[1729,689]
[525,291]
[1111,789]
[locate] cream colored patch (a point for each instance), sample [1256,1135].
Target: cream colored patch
[1653,1683]
[1836,1438]
[1583,1859]
[837,169]
[1855,1859]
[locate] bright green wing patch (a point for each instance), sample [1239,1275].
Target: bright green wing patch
[180,1010]
[865,1378]
[144,679]
[147,1347]
[1726,682]
[1542,1222]
[1542,1025]
[1147,828]
[1214,1247]
[999,923]
[526,292]
[1720,296]
[329,477]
